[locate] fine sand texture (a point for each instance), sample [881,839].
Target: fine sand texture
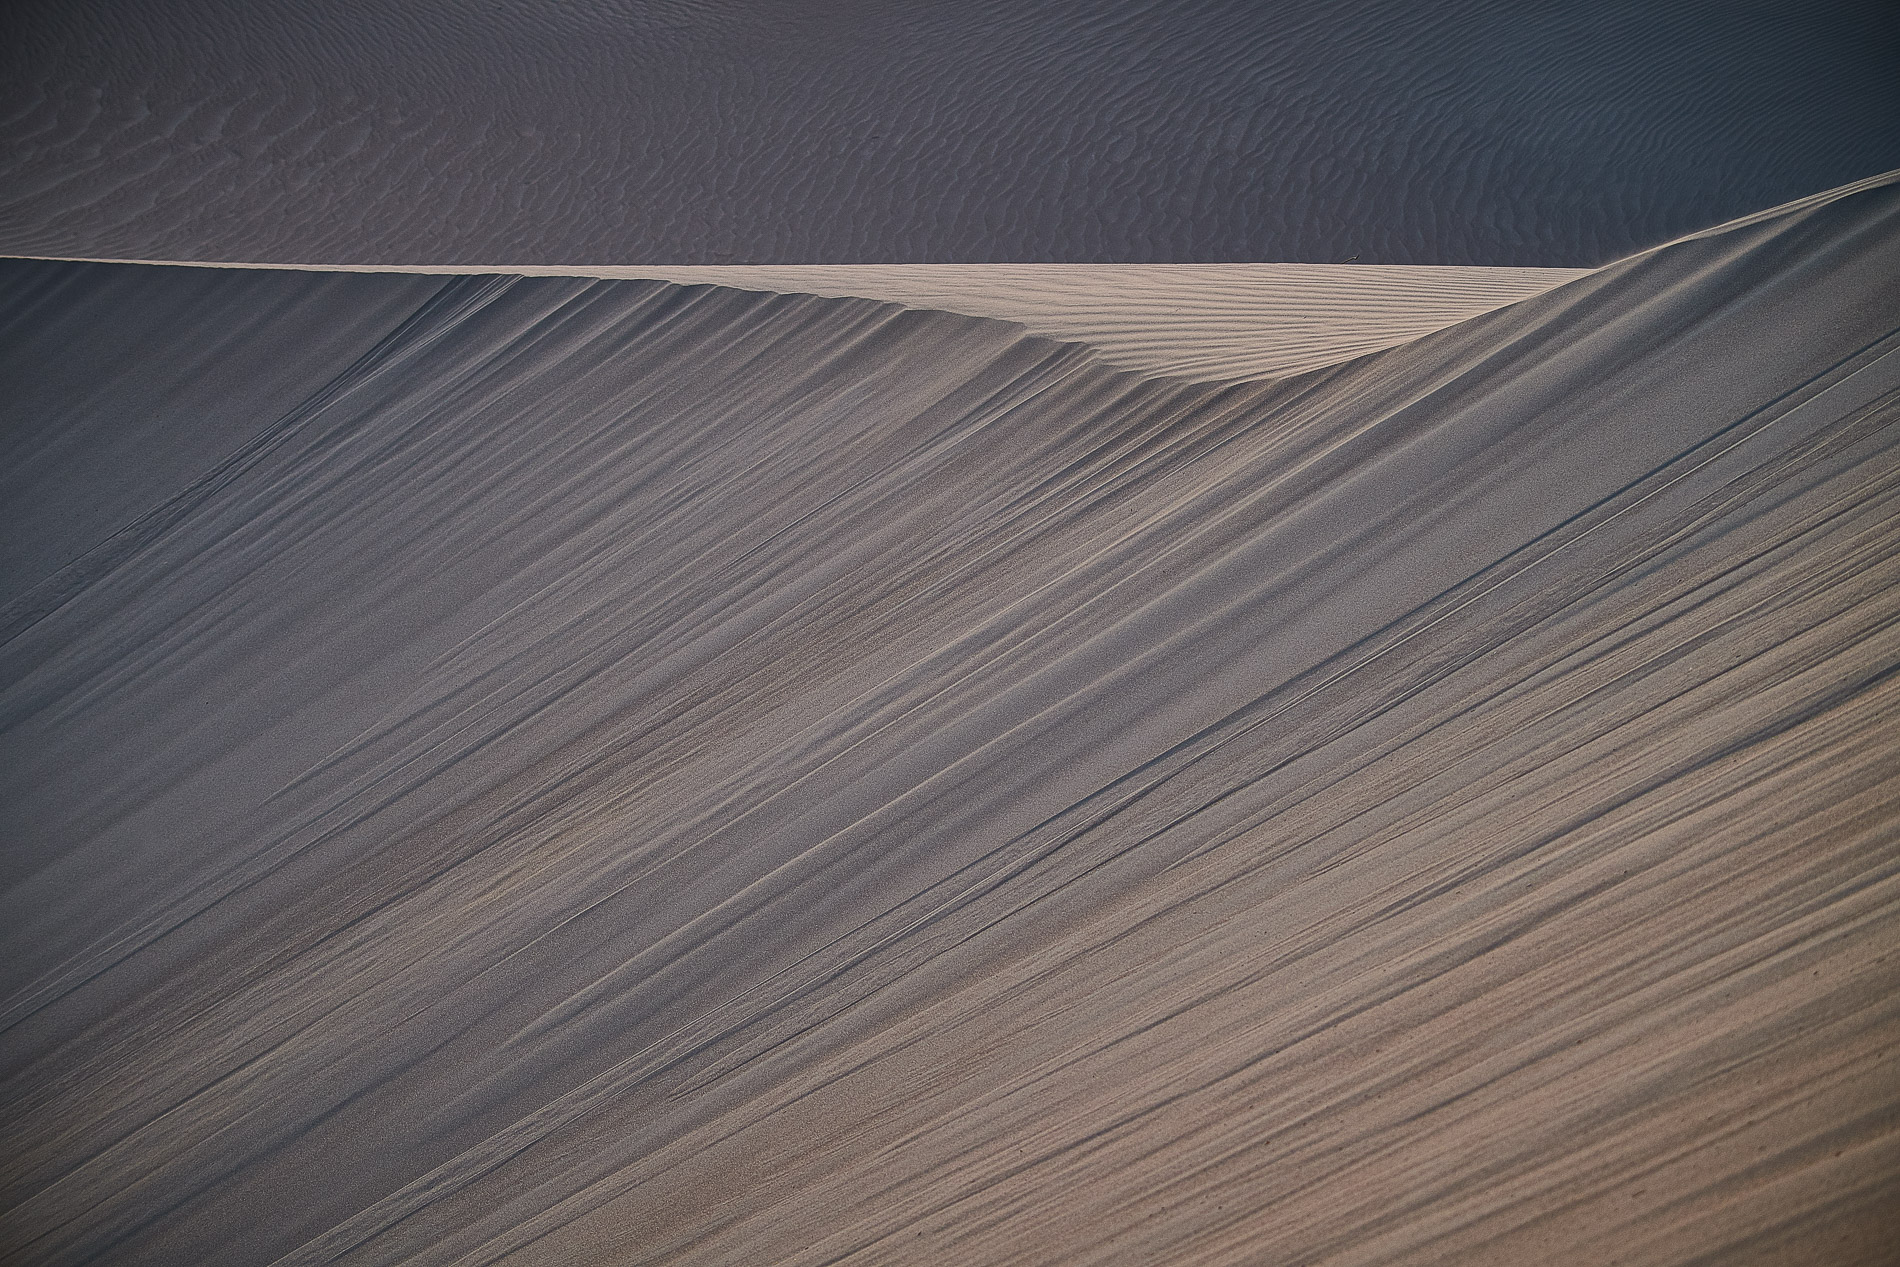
[117,394]
[1206,321]
[1566,133]
[625,773]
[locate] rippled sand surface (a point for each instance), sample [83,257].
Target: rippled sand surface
[1471,132]
[602,771]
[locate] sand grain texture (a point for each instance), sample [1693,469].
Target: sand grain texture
[1465,132]
[630,773]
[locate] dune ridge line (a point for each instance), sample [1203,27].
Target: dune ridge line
[1207,321]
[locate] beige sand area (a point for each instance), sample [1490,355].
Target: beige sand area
[613,773]
[1209,321]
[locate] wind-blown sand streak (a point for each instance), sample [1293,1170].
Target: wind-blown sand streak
[116,397]
[625,773]
[1209,321]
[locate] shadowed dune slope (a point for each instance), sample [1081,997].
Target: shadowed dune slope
[117,390]
[628,773]
[1484,132]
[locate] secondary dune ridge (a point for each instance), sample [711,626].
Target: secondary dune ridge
[1210,321]
[616,772]
[1206,321]
[1472,132]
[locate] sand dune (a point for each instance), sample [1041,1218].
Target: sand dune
[1208,321]
[121,389]
[1116,131]
[623,773]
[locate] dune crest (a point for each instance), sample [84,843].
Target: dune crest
[1205,321]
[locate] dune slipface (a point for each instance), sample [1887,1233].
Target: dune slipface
[1473,132]
[617,772]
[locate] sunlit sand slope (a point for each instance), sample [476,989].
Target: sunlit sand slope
[633,774]
[1201,320]
[1211,321]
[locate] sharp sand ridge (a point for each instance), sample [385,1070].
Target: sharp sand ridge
[1209,321]
[600,771]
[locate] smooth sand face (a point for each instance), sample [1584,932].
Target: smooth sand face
[623,773]
[916,131]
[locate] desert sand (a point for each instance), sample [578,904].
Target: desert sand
[1568,133]
[606,771]
[1209,321]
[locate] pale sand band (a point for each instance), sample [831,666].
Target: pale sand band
[1208,321]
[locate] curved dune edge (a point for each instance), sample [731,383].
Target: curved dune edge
[1807,203]
[1205,321]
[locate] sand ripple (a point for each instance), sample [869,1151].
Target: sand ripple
[1466,132]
